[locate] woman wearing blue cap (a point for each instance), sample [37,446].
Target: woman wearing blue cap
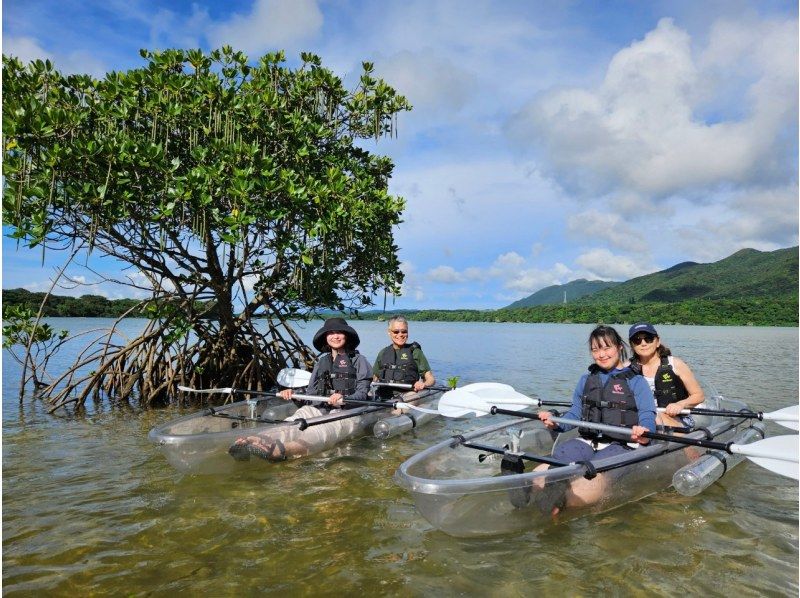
[672,382]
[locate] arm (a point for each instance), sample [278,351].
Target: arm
[575,411]
[426,375]
[694,393]
[363,379]
[646,406]
[376,370]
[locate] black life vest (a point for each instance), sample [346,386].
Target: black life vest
[611,403]
[398,365]
[339,375]
[669,387]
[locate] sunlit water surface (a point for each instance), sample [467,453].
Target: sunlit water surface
[90,507]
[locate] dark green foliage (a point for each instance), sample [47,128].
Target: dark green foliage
[739,312]
[90,306]
[229,189]
[745,274]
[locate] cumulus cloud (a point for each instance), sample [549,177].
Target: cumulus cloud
[604,265]
[640,131]
[271,25]
[445,274]
[511,271]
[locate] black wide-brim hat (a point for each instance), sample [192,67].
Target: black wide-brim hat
[335,325]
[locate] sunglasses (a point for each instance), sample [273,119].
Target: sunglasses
[399,331]
[642,338]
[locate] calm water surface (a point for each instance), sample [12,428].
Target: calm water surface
[90,507]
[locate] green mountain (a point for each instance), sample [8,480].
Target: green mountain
[556,293]
[746,274]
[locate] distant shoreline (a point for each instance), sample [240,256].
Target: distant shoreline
[705,312]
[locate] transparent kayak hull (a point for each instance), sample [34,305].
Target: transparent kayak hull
[199,443]
[463,492]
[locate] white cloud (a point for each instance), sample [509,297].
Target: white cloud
[510,270]
[604,265]
[639,131]
[79,61]
[24,48]
[411,286]
[272,25]
[609,227]
[444,274]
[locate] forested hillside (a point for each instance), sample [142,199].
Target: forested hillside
[557,293]
[745,274]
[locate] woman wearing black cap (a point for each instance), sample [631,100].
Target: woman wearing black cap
[672,382]
[340,373]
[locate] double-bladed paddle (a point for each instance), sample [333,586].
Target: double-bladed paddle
[459,404]
[403,386]
[788,417]
[778,454]
[312,398]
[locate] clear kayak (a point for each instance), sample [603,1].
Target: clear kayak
[200,443]
[475,484]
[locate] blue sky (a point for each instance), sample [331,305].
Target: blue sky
[549,140]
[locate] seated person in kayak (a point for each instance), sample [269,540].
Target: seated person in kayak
[402,362]
[672,382]
[340,373]
[609,393]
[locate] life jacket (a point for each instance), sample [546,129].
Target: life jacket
[611,403]
[337,376]
[398,365]
[669,387]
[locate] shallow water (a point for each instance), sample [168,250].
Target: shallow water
[90,507]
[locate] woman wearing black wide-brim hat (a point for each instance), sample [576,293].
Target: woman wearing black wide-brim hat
[335,325]
[340,373]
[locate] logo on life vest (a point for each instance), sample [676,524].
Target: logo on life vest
[617,389]
[666,377]
[403,356]
[342,363]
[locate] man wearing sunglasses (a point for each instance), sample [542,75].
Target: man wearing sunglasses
[402,362]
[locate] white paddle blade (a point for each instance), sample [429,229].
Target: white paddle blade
[788,417]
[462,403]
[293,378]
[779,454]
[494,386]
[494,393]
